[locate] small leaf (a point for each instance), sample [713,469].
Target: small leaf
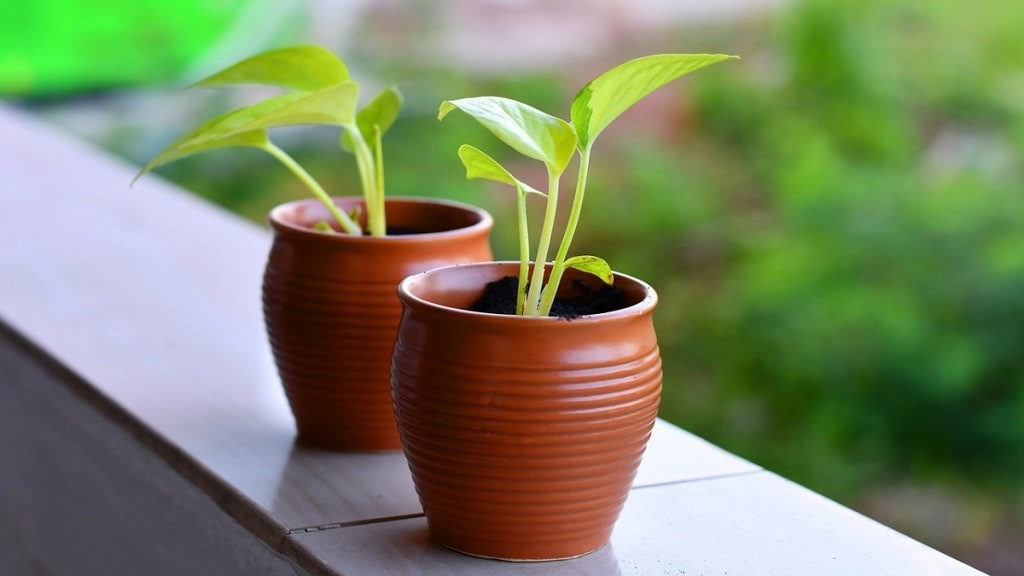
[479,165]
[381,111]
[306,68]
[323,226]
[606,97]
[529,131]
[593,265]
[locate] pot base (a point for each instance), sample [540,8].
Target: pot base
[523,560]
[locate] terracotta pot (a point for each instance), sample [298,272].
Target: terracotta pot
[523,435]
[331,310]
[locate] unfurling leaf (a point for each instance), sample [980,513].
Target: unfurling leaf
[593,265]
[381,111]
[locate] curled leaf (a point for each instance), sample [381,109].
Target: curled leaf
[380,112]
[592,265]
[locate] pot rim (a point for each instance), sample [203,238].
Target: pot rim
[406,293]
[485,223]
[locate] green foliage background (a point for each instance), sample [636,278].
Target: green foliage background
[872,305]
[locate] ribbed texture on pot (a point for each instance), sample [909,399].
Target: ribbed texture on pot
[331,311]
[524,453]
[329,344]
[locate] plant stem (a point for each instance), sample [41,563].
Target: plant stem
[372,196]
[524,250]
[532,306]
[558,267]
[378,155]
[346,223]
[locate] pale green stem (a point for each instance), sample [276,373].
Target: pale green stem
[375,223]
[524,250]
[379,165]
[346,223]
[532,306]
[558,267]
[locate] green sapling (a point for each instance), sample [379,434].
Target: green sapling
[554,142]
[319,90]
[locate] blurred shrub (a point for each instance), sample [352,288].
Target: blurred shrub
[869,315]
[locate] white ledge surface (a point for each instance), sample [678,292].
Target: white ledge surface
[151,297]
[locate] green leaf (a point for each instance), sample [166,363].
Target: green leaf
[381,111]
[479,165]
[306,68]
[606,97]
[334,105]
[183,147]
[323,226]
[593,265]
[529,131]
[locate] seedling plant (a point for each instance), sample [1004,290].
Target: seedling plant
[318,90]
[555,142]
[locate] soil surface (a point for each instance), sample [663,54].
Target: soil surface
[500,298]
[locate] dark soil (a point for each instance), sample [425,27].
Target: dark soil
[397,231]
[500,298]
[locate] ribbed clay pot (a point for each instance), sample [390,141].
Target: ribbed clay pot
[523,435]
[331,310]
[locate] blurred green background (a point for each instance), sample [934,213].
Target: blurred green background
[835,223]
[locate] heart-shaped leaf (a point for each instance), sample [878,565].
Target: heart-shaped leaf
[593,265]
[306,68]
[606,97]
[529,131]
